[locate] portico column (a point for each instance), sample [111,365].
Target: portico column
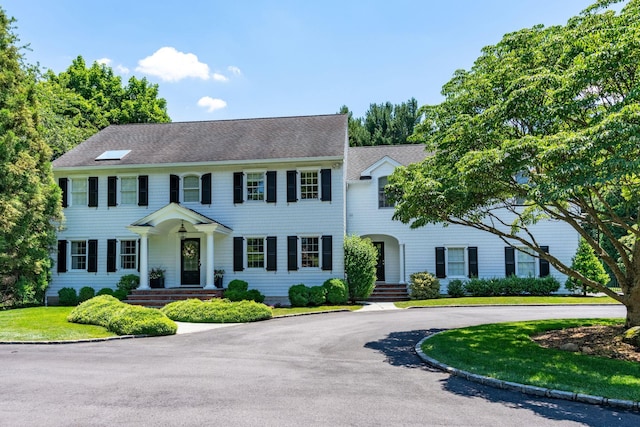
[402,281]
[144,262]
[210,276]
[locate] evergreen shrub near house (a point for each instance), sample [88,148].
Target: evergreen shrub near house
[337,292]
[120,294]
[299,295]
[424,285]
[128,282]
[586,263]
[238,290]
[512,286]
[86,292]
[96,311]
[67,297]
[455,288]
[105,291]
[360,260]
[217,311]
[317,296]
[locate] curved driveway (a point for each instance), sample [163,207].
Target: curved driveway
[334,369]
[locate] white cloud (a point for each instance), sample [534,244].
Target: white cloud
[211,104]
[219,77]
[171,65]
[234,70]
[104,61]
[122,69]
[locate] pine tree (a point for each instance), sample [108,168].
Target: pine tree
[586,262]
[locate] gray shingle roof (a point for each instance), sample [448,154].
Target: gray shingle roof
[213,141]
[360,158]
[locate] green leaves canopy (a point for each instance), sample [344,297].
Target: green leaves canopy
[546,124]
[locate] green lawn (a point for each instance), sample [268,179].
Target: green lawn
[506,352]
[45,324]
[520,300]
[302,310]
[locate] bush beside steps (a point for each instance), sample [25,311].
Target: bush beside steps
[121,318]
[216,311]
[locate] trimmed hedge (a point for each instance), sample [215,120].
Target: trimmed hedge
[317,296]
[455,288]
[216,311]
[337,291]
[299,295]
[121,318]
[512,286]
[67,297]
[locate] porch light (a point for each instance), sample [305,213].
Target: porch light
[182,231]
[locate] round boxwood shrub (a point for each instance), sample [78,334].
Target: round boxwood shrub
[337,292]
[67,297]
[455,288]
[299,295]
[129,282]
[120,294]
[238,290]
[424,285]
[105,291]
[216,311]
[86,292]
[317,295]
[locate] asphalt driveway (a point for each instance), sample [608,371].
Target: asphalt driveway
[334,369]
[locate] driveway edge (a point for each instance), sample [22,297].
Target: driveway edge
[86,340]
[524,388]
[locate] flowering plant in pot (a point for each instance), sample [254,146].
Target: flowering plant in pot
[218,275]
[156,277]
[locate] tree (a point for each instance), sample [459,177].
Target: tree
[30,198]
[360,259]
[587,263]
[545,125]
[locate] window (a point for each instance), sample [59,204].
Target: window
[382,196]
[128,190]
[455,262]
[128,259]
[255,186]
[526,263]
[255,253]
[79,192]
[191,189]
[308,185]
[79,255]
[310,251]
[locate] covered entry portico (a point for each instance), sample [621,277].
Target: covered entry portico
[181,240]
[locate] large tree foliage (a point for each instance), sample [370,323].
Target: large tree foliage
[383,124]
[82,100]
[546,124]
[29,197]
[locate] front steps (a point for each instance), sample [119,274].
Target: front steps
[389,292]
[160,297]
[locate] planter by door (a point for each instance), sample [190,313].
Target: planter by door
[156,283]
[218,282]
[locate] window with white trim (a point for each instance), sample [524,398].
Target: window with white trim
[78,255]
[255,186]
[191,188]
[128,190]
[456,262]
[128,255]
[79,191]
[382,196]
[255,252]
[525,262]
[308,185]
[310,251]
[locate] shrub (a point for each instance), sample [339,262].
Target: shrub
[299,295]
[120,294]
[360,260]
[237,285]
[216,311]
[128,282]
[337,293]
[96,311]
[86,293]
[317,296]
[424,285]
[67,297]
[455,288]
[512,285]
[587,263]
[542,286]
[238,290]
[479,287]
[105,291]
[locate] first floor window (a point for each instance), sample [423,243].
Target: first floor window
[128,260]
[310,251]
[128,190]
[255,253]
[455,262]
[191,189]
[308,185]
[79,255]
[526,263]
[255,186]
[79,192]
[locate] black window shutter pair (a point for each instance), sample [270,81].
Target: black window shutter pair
[327,253]
[93,191]
[325,185]
[112,253]
[63,184]
[143,190]
[510,262]
[472,262]
[238,187]
[238,253]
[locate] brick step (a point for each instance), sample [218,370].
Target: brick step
[161,297]
[389,292]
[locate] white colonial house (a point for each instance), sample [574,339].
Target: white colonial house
[268,201]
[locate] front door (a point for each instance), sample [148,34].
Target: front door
[190,261]
[380,266]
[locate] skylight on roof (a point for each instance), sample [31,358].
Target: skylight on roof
[113,155]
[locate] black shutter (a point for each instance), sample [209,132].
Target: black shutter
[62,183]
[543,264]
[112,253]
[143,190]
[472,252]
[327,253]
[138,254]
[291,186]
[237,187]
[509,261]
[92,256]
[440,266]
[93,191]
[206,189]
[271,186]
[62,256]
[292,253]
[238,259]
[174,189]
[325,179]
[111,190]
[272,250]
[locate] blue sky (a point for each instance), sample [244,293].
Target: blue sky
[238,59]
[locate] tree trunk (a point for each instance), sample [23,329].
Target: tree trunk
[632,303]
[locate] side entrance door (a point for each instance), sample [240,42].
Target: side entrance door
[380,266]
[190,262]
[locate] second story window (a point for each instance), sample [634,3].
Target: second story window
[255,186]
[308,185]
[128,190]
[382,196]
[191,188]
[79,192]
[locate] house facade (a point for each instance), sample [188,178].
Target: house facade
[268,201]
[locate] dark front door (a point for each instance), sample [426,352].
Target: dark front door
[380,266]
[190,261]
